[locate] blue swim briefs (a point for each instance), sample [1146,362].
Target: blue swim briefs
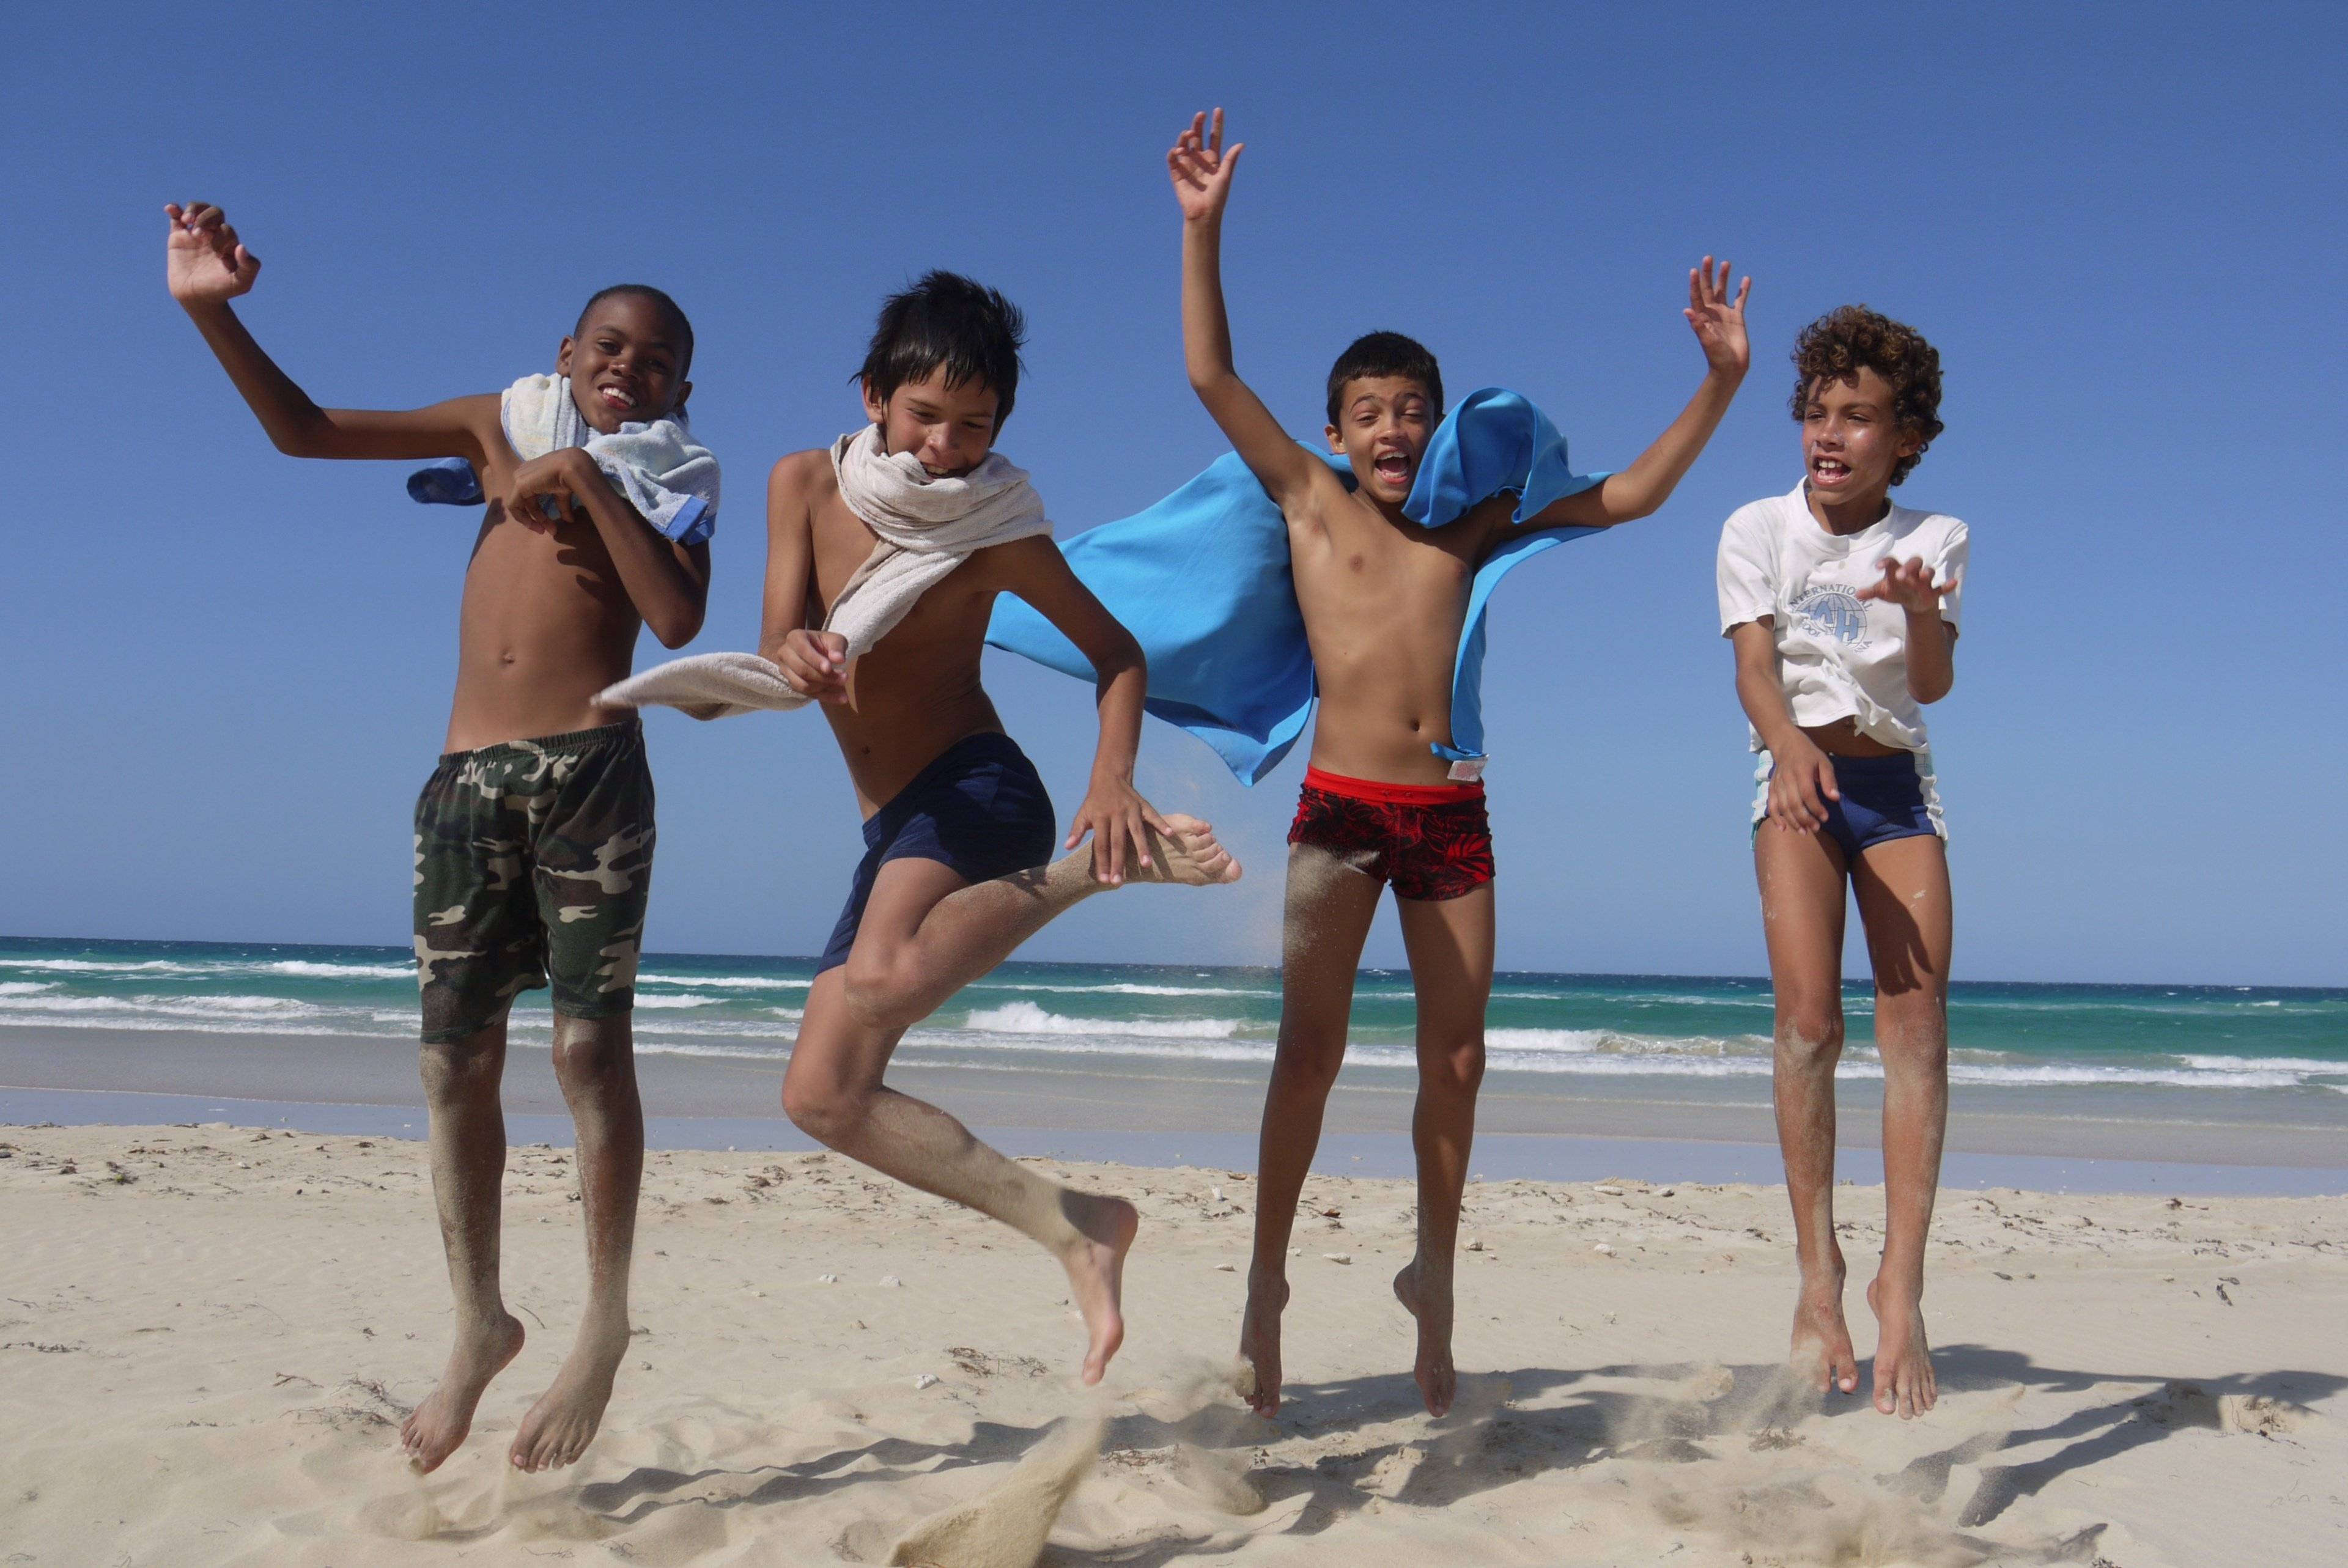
[1883,798]
[980,809]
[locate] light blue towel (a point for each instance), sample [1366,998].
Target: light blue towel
[1202,580]
[668,478]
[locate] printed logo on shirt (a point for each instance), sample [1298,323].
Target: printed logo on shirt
[1833,615]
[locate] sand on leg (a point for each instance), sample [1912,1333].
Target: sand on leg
[1451,946]
[1803,896]
[595,1061]
[1902,889]
[833,1090]
[468,1163]
[1329,908]
[909,970]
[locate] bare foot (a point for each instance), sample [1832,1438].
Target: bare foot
[437,1427]
[558,1428]
[1260,1339]
[1190,855]
[1822,1350]
[1095,1268]
[1904,1383]
[1437,1378]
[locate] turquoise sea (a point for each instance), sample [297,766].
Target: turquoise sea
[2282,1045]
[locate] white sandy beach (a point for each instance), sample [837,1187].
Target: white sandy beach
[208,1336]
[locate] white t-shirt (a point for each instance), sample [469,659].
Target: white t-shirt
[1843,657]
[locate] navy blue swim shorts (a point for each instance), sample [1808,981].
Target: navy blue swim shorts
[1883,798]
[980,809]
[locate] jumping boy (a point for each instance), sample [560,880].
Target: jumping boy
[534,836]
[1385,601]
[1842,609]
[957,826]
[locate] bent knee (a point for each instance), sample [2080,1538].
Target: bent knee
[881,991]
[825,1112]
[1309,1061]
[592,1051]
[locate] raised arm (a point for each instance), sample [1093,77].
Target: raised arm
[1643,488]
[1201,171]
[207,266]
[1112,811]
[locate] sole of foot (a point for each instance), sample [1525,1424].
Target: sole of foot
[1904,1381]
[1438,1378]
[1259,1344]
[1189,855]
[1096,1273]
[438,1427]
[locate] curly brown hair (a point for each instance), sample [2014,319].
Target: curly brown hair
[1852,338]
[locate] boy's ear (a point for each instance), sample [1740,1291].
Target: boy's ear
[563,358]
[876,409]
[1336,439]
[683,391]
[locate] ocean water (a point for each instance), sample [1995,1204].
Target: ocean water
[2275,1045]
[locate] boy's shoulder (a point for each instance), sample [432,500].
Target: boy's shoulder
[1764,516]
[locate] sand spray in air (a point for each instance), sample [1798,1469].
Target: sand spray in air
[1006,1526]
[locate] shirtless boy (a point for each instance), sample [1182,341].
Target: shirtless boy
[534,836]
[957,825]
[1384,602]
[1842,609]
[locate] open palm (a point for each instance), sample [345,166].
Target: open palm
[1719,320]
[203,259]
[1202,168]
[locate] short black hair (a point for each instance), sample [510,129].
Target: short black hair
[1384,354]
[659,302]
[948,320]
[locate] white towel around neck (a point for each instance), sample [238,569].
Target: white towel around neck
[926,527]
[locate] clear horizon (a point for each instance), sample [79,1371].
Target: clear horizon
[232,668]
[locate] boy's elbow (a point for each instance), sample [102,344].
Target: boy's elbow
[676,629]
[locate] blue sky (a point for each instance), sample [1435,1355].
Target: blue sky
[2121,226]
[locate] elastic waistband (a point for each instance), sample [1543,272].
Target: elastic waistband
[1898,762]
[1392,793]
[538,746]
[980,747]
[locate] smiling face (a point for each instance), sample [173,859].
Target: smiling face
[1851,438]
[1384,423]
[627,364]
[949,429]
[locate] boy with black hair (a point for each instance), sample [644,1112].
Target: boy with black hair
[885,554]
[1385,606]
[534,836]
[1843,608]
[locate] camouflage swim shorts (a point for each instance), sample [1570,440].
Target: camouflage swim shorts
[532,858]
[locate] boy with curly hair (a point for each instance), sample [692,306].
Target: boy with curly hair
[1842,609]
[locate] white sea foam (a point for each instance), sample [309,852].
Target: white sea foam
[304,970]
[1026,1017]
[97,966]
[1127,988]
[663,999]
[727,982]
[25,988]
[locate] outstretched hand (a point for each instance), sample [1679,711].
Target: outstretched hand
[1907,584]
[1719,320]
[1202,168]
[204,261]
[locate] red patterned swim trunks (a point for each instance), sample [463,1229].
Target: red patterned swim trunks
[1433,841]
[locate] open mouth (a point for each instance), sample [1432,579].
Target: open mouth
[618,399]
[1829,470]
[1394,468]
